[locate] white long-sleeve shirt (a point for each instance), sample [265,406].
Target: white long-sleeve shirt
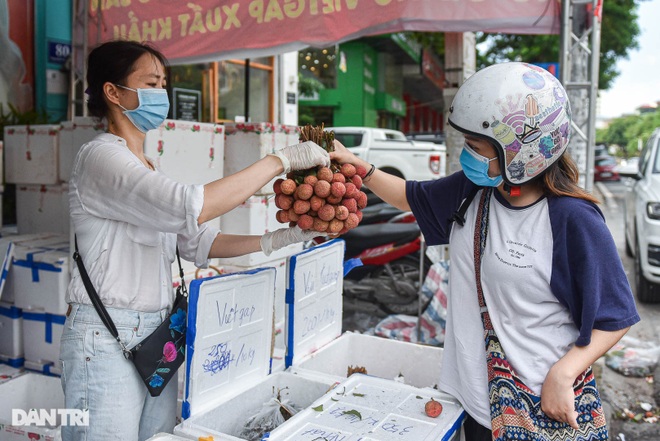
[128,220]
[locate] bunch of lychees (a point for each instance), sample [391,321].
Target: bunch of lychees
[324,199]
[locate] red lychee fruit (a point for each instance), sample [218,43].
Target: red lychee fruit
[277,186]
[433,408]
[293,216]
[357,181]
[338,177]
[288,186]
[301,207]
[311,180]
[282,216]
[338,189]
[360,171]
[324,174]
[304,191]
[327,212]
[320,225]
[316,203]
[351,221]
[333,199]
[351,190]
[348,170]
[306,222]
[335,226]
[350,204]
[361,200]
[341,212]
[322,189]
[283,201]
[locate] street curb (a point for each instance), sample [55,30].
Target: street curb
[606,196]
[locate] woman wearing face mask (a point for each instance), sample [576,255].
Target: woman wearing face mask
[128,219]
[552,284]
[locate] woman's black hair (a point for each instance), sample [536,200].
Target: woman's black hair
[113,62]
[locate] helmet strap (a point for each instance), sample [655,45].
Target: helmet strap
[513,191]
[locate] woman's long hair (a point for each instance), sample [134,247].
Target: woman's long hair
[561,179]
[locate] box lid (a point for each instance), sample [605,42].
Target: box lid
[369,408]
[229,336]
[314,299]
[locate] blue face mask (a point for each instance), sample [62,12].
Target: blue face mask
[475,168]
[152,110]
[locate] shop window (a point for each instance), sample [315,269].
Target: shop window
[229,80]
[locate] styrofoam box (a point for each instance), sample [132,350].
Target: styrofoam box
[228,356]
[29,391]
[11,335]
[41,208]
[188,152]
[246,143]
[41,337]
[8,372]
[40,274]
[8,243]
[165,437]
[375,409]
[52,368]
[31,154]
[316,344]
[73,135]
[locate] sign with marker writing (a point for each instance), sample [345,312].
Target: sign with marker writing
[230,325]
[314,299]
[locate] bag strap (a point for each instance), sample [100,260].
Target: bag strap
[459,215]
[480,234]
[98,304]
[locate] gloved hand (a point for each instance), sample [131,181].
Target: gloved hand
[302,156]
[274,240]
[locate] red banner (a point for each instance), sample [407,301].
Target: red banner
[205,30]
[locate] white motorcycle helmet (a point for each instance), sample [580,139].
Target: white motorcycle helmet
[522,110]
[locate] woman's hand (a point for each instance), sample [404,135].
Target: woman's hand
[302,156]
[343,155]
[558,398]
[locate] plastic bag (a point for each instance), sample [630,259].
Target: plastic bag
[271,415]
[632,357]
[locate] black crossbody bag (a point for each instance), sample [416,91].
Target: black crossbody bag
[158,357]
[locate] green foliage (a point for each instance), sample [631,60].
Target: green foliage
[308,85]
[13,117]
[435,41]
[619,32]
[624,132]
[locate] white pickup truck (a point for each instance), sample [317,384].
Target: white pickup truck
[391,152]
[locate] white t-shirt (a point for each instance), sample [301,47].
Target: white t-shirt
[128,220]
[550,273]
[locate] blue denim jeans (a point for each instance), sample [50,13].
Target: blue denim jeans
[97,377]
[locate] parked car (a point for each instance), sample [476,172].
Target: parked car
[642,220]
[435,137]
[605,169]
[628,166]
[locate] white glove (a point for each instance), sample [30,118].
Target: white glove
[274,240]
[302,156]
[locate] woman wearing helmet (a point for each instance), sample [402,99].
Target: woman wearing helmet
[552,281]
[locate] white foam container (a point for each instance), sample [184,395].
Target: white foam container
[224,388]
[11,335]
[316,345]
[8,372]
[41,338]
[40,272]
[379,410]
[42,208]
[31,154]
[246,143]
[29,391]
[165,437]
[188,152]
[73,135]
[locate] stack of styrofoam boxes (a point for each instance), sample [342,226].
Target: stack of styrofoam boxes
[30,393]
[190,153]
[246,143]
[37,275]
[7,373]
[317,349]
[11,335]
[38,160]
[228,363]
